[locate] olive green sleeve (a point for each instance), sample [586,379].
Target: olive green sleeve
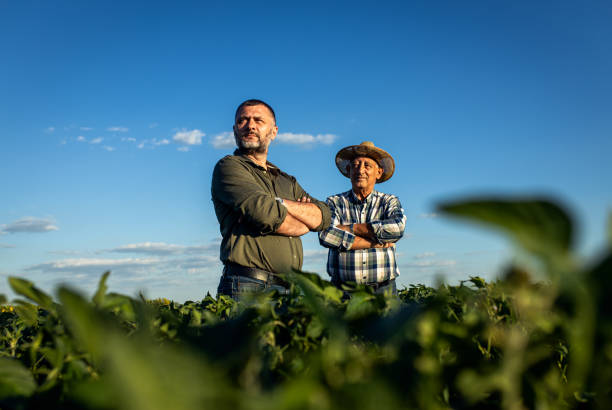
[323,207]
[235,186]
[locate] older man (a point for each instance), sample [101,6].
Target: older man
[262,211]
[365,223]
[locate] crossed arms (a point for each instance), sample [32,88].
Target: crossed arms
[302,217]
[243,198]
[374,234]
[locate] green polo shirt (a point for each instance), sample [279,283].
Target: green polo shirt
[243,194]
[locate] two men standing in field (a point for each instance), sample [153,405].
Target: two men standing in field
[262,212]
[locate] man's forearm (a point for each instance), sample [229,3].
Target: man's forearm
[360,230]
[363,243]
[307,213]
[292,227]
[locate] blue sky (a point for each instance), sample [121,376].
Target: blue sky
[113,114]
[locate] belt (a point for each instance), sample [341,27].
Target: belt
[378,285]
[373,285]
[253,273]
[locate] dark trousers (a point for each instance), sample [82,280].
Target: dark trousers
[237,287]
[388,288]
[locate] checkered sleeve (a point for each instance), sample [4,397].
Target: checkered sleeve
[391,228]
[333,237]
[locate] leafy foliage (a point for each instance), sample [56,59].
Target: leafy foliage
[511,344]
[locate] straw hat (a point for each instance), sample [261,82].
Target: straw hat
[365,149]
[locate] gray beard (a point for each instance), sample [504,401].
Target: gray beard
[250,147]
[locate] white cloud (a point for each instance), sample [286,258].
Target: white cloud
[226,139]
[118,129]
[179,272]
[152,143]
[153,125]
[428,216]
[424,255]
[109,149]
[305,139]
[81,138]
[96,140]
[223,140]
[30,225]
[430,263]
[314,256]
[183,149]
[193,137]
[64,252]
[133,269]
[85,128]
[49,129]
[96,265]
[128,139]
[157,142]
[162,248]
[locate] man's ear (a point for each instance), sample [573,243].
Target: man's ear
[380,173]
[275,132]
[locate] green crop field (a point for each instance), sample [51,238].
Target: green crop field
[540,337]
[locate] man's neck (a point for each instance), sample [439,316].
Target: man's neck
[257,157]
[362,193]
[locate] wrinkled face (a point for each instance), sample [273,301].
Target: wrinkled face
[255,128]
[364,173]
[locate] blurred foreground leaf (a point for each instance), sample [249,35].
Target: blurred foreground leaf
[15,379]
[538,225]
[26,288]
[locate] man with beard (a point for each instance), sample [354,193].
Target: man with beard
[262,211]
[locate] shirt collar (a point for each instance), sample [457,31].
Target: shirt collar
[271,167]
[368,198]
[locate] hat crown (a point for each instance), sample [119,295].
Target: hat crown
[365,149]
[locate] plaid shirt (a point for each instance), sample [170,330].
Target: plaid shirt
[386,216]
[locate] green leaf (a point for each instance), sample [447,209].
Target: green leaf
[479,282]
[315,328]
[26,288]
[361,304]
[82,321]
[15,379]
[3,299]
[27,312]
[98,297]
[538,225]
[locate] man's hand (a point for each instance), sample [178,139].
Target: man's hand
[363,243]
[292,227]
[304,211]
[364,237]
[363,230]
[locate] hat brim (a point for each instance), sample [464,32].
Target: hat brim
[382,158]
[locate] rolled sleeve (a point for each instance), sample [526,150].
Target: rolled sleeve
[299,192]
[390,229]
[325,216]
[335,238]
[236,187]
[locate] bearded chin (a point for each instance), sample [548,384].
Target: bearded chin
[250,147]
